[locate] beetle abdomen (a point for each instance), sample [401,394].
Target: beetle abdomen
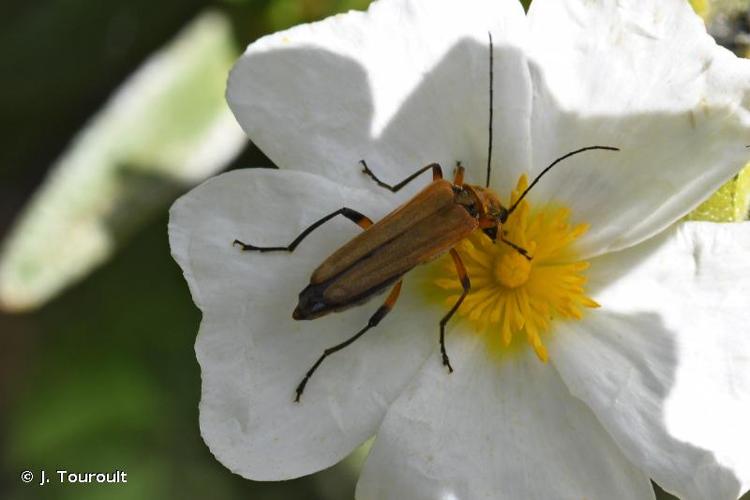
[313,302]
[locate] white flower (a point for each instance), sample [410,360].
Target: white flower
[653,384]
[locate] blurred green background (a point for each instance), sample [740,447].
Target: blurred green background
[113,109]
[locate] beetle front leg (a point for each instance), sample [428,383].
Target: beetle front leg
[490,227]
[515,247]
[466,284]
[458,174]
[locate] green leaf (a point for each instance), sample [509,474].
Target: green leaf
[165,129]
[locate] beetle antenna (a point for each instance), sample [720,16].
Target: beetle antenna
[533,183]
[489,146]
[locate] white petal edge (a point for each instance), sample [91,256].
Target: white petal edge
[253,355]
[643,76]
[494,428]
[665,365]
[402,85]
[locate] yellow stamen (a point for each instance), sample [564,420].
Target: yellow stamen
[513,297]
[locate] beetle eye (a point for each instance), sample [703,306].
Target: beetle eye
[502,215]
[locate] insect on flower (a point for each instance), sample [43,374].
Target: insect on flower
[429,225]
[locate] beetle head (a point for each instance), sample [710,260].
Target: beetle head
[491,206]
[490,209]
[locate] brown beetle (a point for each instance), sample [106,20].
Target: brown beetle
[427,226]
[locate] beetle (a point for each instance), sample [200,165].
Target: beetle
[427,226]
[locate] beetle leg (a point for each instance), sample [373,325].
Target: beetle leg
[437,173]
[458,176]
[354,216]
[373,321]
[466,284]
[515,247]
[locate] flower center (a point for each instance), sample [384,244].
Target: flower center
[512,270]
[511,296]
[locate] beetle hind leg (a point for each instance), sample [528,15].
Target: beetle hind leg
[381,312]
[466,285]
[354,216]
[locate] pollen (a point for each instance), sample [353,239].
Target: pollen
[514,299]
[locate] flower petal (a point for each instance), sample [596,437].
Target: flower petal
[645,77]
[401,85]
[666,365]
[253,355]
[494,428]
